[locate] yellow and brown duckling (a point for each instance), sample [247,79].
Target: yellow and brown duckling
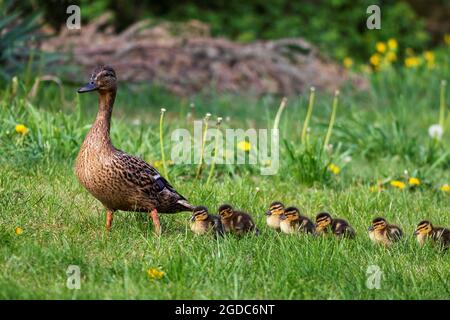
[236,222]
[118,180]
[384,233]
[439,235]
[325,224]
[293,222]
[276,210]
[202,222]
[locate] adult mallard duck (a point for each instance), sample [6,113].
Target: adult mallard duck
[118,180]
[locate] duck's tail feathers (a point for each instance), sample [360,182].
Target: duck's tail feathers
[185,204]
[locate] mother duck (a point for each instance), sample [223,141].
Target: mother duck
[118,180]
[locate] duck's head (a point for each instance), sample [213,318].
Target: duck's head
[199,213]
[102,79]
[423,228]
[378,224]
[225,211]
[290,214]
[275,208]
[323,220]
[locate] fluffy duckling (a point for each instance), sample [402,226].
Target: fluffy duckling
[202,222]
[293,222]
[382,232]
[235,221]
[276,210]
[339,227]
[425,230]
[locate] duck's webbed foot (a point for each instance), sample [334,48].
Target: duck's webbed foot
[109,219]
[154,215]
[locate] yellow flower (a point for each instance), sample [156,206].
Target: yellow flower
[412,62]
[414,181]
[244,145]
[445,188]
[19,231]
[429,58]
[154,273]
[158,164]
[334,168]
[391,56]
[348,62]
[447,39]
[392,44]
[20,128]
[398,184]
[381,47]
[375,59]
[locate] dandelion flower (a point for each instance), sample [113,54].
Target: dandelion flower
[445,188]
[381,47]
[244,145]
[334,168]
[375,60]
[392,44]
[155,274]
[19,231]
[348,62]
[447,39]
[429,58]
[412,62]
[398,184]
[391,56]
[20,128]
[436,131]
[347,159]
[158,164]
[414,181]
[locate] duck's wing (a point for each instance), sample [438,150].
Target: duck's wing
[140,174]
[394,233]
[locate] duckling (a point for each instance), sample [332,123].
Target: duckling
[202,222]
[339,227]
[274,214]
[426,230]
[118,180]
[382,232]
[235,221]
[293,222]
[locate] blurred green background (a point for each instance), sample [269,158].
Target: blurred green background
[338,27]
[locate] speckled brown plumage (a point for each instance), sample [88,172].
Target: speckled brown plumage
[202,222]
[118,180]
[339,227]
[384,233]
[293,222]
[236,222]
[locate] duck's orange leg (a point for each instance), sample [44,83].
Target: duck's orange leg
[154,215]
[109,219]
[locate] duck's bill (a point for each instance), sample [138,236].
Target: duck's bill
[88,88]
[370,228]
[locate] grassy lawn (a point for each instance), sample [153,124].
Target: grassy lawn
[378,135]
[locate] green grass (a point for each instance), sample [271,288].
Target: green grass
[384,131]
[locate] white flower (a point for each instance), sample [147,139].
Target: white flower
[436,131]
[329,148]
[136,122]
[347,159]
